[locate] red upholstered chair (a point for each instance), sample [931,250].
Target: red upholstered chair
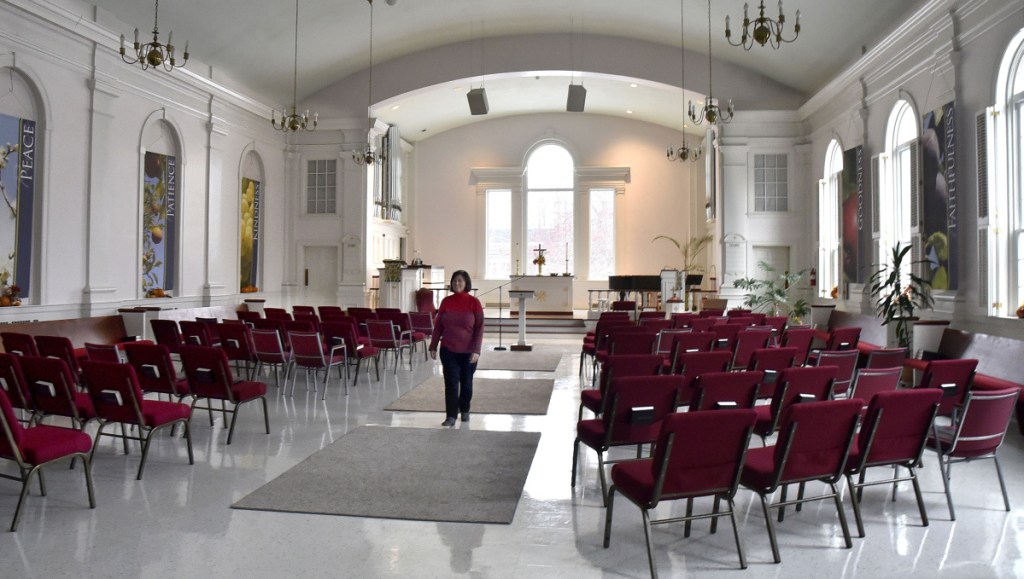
[19,344]
[845,362]
[303,310]
[236,341]
[383,336]
[746,342]
[893,434]
[692,365]
[355,349]
[624,339]
[871,381]
[771,362]
[715,388]
[663,343]
[168,335]
[725,335]
[813,445]
[422,322]
[954,377]
[425,301]
[59,347]
[976,434]
[117,398]
[195,333]
[53,390]
[308,350]
[269,351]
[362,315]
[739,313]
[290,326]
[211,329]
[309,317]
[617,367]
[275,325]
[794,384]
[745,321]
[712,313]
[843,339]
[248,316]
[648,315]
[277,314]
[12,382]
[778,324]
[703,323]
[102,352]
[209,376]
[886,358]
[329,312]
[687,344]
[31,449]
[593,342]
[683,319]
[681,469]
[801,339]
[155,370]
[402,321]
[620,425]
[655,324]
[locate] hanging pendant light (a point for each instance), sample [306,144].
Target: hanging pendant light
[710,112]
[291,120]
[367,155]
[154,54]
[683,153]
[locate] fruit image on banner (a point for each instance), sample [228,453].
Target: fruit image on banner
[250,228]
[159,227]
[939,214]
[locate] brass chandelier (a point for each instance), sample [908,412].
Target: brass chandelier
[683,153]
[367,155]
[292,121]
[763,30]
[711,111]
[154,54]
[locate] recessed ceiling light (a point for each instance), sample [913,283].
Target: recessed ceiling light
[633,85]
[629,112]
[396,107]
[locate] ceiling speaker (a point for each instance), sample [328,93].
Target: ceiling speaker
[577,98]
[477,101]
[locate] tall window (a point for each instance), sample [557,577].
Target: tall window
[602,233]
[828,220]
[321,186]
[499,234]
[898,195]
[771,183]
[550,200]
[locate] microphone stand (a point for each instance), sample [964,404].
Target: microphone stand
[500,347]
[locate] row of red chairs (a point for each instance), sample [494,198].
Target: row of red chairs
[704,453]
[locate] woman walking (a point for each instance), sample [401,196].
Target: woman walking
[459,327]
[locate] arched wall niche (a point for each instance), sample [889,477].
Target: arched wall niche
[161,175]
[251,193]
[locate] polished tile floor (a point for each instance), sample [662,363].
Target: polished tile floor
[177,521]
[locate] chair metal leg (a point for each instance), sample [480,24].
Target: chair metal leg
[124,438]
[608,517]
[782,508]
[575,457]
[714,509]
[21,499]
[800,497]
[359,362]
[854,491]
[604,483]
[735,532]
[266,417]
[945,484]
[842,515]
[689,513]
[234,417]
[87,462]
[771,528]
[647,536]
[224,410]
[1002,485]
[917,495]
[188,440]
[96,441]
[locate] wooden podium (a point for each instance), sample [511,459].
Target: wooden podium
[522,296]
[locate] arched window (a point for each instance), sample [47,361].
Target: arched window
[1001,194]
[828,220]
[20,149]
[550,201]
[899,187]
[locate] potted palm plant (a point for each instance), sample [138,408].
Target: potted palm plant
[689,252]
[896,303]
[771,294]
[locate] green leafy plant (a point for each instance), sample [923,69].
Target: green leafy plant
[895,302]
[771,294]
[688,252]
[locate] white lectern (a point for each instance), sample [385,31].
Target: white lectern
[522,296]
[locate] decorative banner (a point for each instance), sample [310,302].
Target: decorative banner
[938,170]
[250,228]
[159,227]
[17,185]
[856,237]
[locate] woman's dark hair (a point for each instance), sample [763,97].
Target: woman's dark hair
[465,277]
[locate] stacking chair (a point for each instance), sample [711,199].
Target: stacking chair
[195,333]
[693,365]
[212,332]
[778,324]
[354,348]
[687,344]
[383,337]
[622,340]
[303,310]
[771,362]
[362,315]
[19,344]
[268,349]
[725,335]
[720,389]
[53,390]
[290,326]
[712,313]
[423,323]
[840,339]
[168,335]
[894,433]
[155,370]
[801,339]
[401,320]
[12,382]
[624,423]
[745,321]
[60,347]
[236,341]
[976,434]
[329,312]
[591,342]
[746,342]
[309,317]
[846,362]
[248,316]
[703,324]
[739,313]
[954,377]
[681,469]
[813,445]
[683,319]
[794,384]
[308,352]
[593,399]
[275,325]
[117,398]
[277,314]
[886,358]
[663,343]
[649,316]
[209,376]
[871,381]
[31,449]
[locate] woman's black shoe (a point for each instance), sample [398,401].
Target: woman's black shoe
[448,422]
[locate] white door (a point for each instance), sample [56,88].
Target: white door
[320,275]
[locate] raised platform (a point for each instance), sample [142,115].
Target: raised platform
[536,324]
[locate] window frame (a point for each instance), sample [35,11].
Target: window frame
[315,188]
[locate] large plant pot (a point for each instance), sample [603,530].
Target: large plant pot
[891,338]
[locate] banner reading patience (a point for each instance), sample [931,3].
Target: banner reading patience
[938,170]
[17,185]
[250,227]
[159,227]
